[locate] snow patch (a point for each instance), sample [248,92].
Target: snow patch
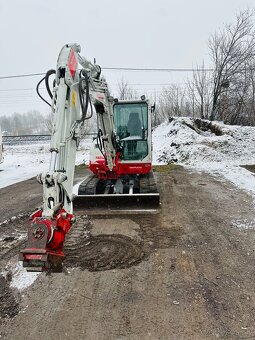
[20,278]
[25,161]
[243,223]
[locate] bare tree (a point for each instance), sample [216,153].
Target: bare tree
[199,90]
[48,122]
[232,104]
[31,122]
[252,90]
[125,92]
[172,102]
[230,50]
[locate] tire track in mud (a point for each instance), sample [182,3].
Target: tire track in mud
[12,239]
[8,301]
[100,252]
[109,251]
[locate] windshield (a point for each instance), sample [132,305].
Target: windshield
[131,124]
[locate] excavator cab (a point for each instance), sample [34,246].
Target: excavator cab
[131,125]
[132,138]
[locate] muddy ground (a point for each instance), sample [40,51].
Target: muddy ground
[186,272]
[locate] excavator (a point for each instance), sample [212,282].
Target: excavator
[120,157]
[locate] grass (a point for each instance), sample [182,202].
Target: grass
[81,168]
[166,168]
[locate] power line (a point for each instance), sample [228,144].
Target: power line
[22,75]
[23,89]
[119,69]
[156,69]
[114,84]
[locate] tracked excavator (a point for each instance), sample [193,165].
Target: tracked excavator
[120,157]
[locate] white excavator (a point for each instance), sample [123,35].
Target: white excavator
[120,158]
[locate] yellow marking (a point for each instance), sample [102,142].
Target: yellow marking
[73,98]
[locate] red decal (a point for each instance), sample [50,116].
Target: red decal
[100,96]
[72,63]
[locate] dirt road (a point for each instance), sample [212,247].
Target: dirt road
[184,273]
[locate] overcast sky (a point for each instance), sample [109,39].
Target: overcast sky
[133,33]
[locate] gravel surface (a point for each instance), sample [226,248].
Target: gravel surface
[184,273]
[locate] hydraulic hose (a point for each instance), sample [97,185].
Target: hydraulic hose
[46,79]
[84,106]
[48,74]
[100,143]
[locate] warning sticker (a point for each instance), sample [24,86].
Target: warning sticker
[72,63]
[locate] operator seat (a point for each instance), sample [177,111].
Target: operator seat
[134,125]
[134,128]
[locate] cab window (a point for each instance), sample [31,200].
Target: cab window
[131,124]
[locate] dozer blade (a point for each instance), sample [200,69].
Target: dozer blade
[93,193]
[137,201]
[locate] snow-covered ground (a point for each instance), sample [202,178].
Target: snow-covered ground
[22,162]
[177,142]
[173,142]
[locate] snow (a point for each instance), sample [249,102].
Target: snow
[25,161]
[173,142]
[243,223]
[22,162]
[21,279]
[221,156]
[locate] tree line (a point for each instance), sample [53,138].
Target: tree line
[225,92]
[31,122]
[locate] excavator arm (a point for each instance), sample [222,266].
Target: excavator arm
[74,90]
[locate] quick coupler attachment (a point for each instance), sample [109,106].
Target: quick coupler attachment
[44,250]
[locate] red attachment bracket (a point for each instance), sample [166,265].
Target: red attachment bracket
[45,241]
